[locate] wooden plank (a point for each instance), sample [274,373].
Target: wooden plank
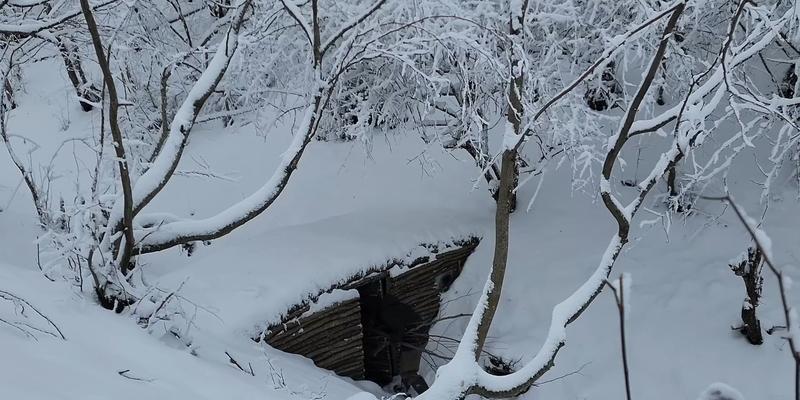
[331,320]
[317,339]
[332,338]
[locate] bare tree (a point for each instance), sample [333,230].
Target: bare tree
[114,234]
[463,375]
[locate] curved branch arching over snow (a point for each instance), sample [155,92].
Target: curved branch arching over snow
[167,235]
[179,232]
[147,186]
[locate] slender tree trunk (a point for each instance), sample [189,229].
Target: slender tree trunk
[499,263]
[509,176]
[124,249]
[623,219]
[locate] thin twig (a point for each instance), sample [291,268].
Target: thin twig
[12,297]
[236,363]
[619,298]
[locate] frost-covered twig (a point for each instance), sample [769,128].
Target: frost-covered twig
[607,55]
[349,25]
[125,373]
[27,28]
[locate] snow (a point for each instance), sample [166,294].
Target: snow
[106,354]
[342,214]
[345,212]
[721,391]
[683,281]
[333,298]
[510,137]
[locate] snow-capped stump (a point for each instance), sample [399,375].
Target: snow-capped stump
[375,325]
[748,266]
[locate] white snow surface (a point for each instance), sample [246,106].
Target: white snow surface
[347,210]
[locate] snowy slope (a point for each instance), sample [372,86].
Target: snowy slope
[107,356]
[684,301]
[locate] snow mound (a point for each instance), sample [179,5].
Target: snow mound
[277,270]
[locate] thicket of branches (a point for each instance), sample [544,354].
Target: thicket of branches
[518,86]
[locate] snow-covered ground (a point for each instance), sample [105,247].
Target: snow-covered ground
[347,209]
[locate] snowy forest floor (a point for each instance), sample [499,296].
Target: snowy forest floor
[347,205]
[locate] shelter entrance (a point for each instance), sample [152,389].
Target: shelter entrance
[374,327]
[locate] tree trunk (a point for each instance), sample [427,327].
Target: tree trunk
[87,93]
[123,248]
[509,177]
[502,218]
[749,269]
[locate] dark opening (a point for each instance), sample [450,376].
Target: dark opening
[377,357]
[395,335]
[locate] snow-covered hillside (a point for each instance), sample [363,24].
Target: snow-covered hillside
[349,208]
[354,204]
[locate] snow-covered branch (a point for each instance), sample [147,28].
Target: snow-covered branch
[175,233]
[349,25]
[147,186]
[619,42]
[295,13]
[26,28]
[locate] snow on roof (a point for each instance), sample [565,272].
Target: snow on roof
[251,283]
